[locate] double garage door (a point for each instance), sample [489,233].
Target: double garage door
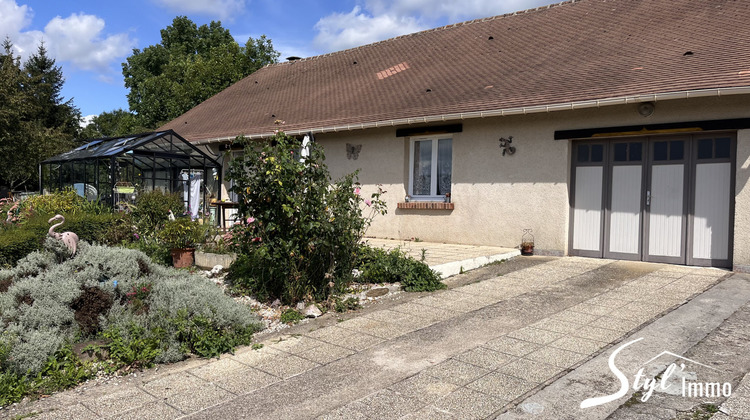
[659,199]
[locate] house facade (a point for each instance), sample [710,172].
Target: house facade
[614,129]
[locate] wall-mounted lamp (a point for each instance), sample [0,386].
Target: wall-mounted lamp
[505,145]
[645,109]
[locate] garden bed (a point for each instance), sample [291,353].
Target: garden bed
[114,305]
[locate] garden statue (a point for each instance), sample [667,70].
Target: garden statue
[10,213]
[70,239]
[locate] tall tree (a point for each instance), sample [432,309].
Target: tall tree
[188,66]
[113,124]
[45,84]
[35,123]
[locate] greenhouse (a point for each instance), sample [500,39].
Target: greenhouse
[116,170]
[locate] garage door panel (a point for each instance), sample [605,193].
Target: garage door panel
[625,216]
[665,236]
[588,208]
[711,216]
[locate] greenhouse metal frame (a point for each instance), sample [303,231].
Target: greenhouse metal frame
[116,170]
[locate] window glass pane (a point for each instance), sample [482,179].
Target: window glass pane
[67,175]
[676,150]
[422,176]
[597,152]
[583,152]
[636,152]
[660,150]
[45,178]
[445,166]
[722,148]
[621,152]
[705,148]
[105,185]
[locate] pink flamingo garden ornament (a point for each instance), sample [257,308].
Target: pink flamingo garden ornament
[11,217]
[70,239]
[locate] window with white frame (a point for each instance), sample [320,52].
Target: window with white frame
[430,167]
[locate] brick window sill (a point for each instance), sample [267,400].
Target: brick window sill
[425,205]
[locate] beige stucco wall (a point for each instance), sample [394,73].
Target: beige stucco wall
[742,204]
[496,196]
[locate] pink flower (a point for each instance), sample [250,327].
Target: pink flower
[357,190]
[368,202]
[250,220]
[257,240]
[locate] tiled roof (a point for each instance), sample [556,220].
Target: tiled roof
[573,51]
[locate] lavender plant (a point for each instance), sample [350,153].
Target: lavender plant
[49,302]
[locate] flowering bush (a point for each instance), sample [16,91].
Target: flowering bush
[300,230]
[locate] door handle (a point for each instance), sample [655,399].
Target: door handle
[648,198]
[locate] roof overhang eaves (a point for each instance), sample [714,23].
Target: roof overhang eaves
[502,112]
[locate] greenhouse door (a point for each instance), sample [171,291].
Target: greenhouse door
[654,199]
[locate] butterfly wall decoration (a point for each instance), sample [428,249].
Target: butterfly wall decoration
[352,151]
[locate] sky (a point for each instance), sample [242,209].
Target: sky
[90,39]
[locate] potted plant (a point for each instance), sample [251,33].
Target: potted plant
[181,236]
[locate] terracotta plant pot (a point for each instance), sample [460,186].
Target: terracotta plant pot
[183,257]
[527,249]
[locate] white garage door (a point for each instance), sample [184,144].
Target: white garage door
[660,199]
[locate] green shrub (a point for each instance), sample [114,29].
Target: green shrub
[66,202]
[380,266]
[155,250]
[182,233]
[202,337]
[344,305]
[299,229]
[133,346]
[61,370]
[13,388]
[16,244]
[291,316]
[152,208]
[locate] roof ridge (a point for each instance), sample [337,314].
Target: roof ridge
[439,28]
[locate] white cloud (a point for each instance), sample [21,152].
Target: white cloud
[345,30]
[78,39]
[222,9]
[87,120]
[381,19]
[454,10]
[13,17]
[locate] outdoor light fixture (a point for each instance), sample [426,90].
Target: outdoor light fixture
[645,109]
[505,145]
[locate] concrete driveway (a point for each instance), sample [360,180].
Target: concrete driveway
[532,342]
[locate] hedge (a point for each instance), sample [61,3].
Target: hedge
[16,244]
[108,229]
